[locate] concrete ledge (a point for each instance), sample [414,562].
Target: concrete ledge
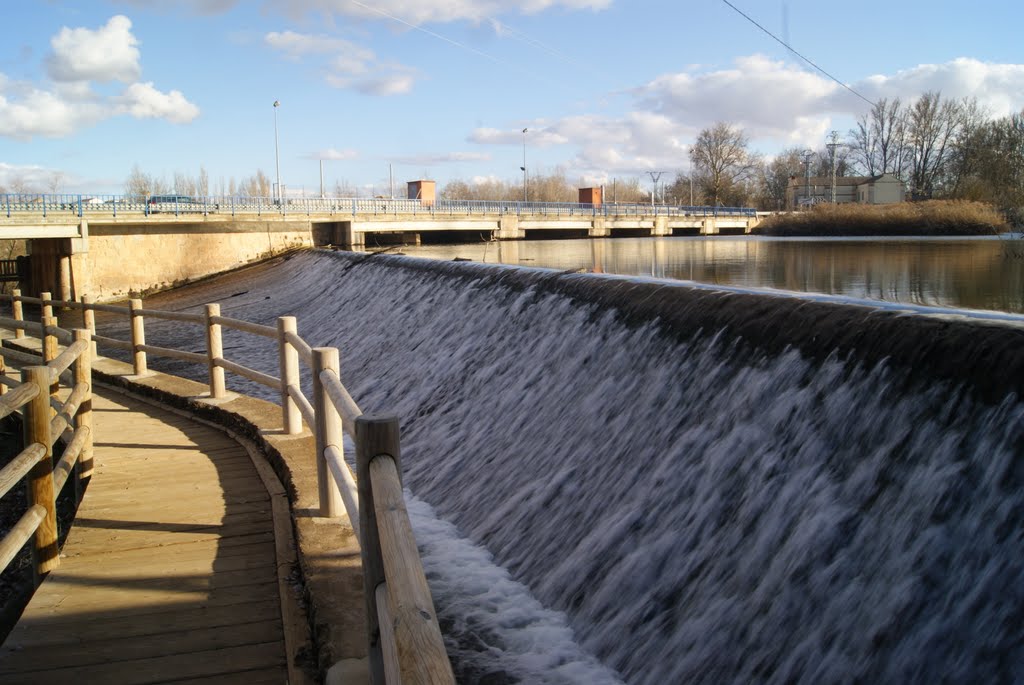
[330,570]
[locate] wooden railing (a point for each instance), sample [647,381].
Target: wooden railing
[45,420]
[405,643]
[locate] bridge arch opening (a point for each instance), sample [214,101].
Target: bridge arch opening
[631,232]
[555,233]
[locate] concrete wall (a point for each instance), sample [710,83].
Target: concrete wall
[123,258]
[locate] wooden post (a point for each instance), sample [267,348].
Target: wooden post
[18,312]
[289,357]
[374,435]
[65,278]
[214,351]
[47,308]
[83,419]
[50,344]
[89,320]
[138,336]
[327,431]
[50,349]
[40,478]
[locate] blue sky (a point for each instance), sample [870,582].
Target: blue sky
[443,89]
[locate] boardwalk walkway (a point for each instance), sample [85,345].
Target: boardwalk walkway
[169,573]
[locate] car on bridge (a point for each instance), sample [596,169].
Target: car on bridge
[177,204]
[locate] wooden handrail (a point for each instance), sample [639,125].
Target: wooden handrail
[16,399]
[246,326]
[395,587]
[390,556]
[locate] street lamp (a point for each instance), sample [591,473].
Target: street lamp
[526,194]
[277,152]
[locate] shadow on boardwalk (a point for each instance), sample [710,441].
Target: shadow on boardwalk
[169,572]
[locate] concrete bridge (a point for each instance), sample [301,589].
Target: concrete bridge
[78,243]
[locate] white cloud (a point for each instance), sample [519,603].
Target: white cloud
[334,155]
[143,101]
[777,104]
[109,53]
[999,87]
[389,84]
[297,45]
[69,103]
[345,64]
[444,158]
[432,12]
[33,112]
[537,136]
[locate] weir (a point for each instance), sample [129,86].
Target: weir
[672,484]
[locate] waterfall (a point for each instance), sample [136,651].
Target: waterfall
[656,483]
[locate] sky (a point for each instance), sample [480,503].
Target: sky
[442,89]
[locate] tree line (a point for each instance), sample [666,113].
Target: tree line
[939,148]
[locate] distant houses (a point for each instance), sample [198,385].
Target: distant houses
[870,190]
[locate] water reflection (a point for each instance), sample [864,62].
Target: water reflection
[972,273]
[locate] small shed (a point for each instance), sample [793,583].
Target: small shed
[424,191]
[591,196]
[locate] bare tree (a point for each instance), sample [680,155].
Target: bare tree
[877,144]
[932,128]
[721,160]
[55,181]
[774,178]
[203,183]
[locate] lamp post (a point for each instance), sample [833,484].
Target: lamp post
[277,152]
[526,193]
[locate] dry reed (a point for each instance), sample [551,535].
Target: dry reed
[931,218]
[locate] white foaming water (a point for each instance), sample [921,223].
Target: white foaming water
[496,629]
[698,512]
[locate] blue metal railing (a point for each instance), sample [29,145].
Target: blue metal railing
[112,205]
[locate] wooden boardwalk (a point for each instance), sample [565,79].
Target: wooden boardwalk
[169,573]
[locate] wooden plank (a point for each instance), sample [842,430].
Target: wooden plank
[171,667]
[142,647]
[57,632]
[171,573]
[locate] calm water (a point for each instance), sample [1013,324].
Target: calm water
[967,273]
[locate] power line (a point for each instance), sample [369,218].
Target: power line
[790,48]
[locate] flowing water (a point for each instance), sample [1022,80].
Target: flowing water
[649,483]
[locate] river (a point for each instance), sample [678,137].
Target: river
[972,273]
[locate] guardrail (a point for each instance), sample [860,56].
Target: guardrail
[405,643]
[45,420]
[84,206]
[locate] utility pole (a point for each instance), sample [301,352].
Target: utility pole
[526,192]
[391,180]
[277,152]
[808,155]
[834,138]
[321,179]
[655,177]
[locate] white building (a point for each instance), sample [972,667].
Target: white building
[870,190]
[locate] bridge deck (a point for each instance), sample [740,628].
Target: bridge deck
[169,572]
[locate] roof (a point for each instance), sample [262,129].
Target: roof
[840,180]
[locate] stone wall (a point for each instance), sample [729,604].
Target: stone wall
[119,259]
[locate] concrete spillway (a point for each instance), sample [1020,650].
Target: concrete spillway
[658,483]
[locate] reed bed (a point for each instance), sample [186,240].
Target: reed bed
[930,218]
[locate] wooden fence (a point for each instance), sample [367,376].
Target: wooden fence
[405,643]
[45,420]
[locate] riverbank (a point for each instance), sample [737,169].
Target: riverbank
[931,218]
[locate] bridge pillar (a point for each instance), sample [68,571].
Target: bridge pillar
[710,226]
[508,228]
[599,229]
[661,226]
